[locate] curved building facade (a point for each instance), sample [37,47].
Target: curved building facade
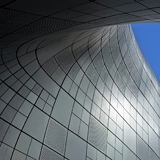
[74,84]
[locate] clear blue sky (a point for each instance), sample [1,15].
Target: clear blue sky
[148,38]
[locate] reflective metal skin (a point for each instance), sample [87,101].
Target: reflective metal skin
[74,84]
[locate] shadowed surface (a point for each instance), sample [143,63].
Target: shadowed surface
[74,83]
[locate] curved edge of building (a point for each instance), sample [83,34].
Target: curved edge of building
[82,93]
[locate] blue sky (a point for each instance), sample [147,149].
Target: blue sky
[148,38]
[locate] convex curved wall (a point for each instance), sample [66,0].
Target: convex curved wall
[82,92]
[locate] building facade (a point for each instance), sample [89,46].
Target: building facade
[74,84]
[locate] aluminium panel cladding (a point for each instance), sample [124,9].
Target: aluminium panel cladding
[74,84]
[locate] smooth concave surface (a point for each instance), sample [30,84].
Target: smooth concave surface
[74,83]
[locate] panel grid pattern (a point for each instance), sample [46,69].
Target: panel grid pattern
[74,83]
